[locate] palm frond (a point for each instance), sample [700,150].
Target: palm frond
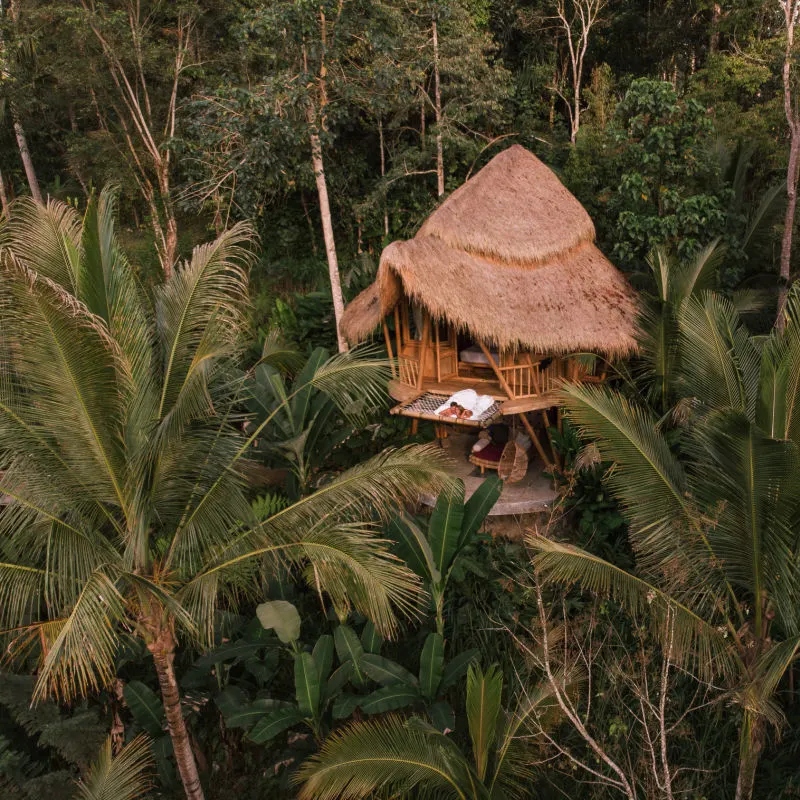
[699,642]
[54,252]
[81,657]
[484,697]
[647,477]
[748,481]
[200,313]
[698,274]
[387,755]
[121,777]
[719,362]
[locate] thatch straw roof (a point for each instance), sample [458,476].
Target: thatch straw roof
[509,257]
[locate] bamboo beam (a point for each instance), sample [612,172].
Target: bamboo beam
[389,347]
[423,354]
[535,440]
[493,364]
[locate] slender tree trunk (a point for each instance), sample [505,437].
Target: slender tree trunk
[27,161]
[170,248]
[437,95]
[163,650]
[790,8]
[3,195]
[383,175]
[327,229]
[752,743]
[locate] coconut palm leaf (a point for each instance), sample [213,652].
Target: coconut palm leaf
[55,251]
[484,697]
[697,641]
[749,481]
[121,777]
[719,363]
[81,658]
[199,315]
[647,478]
[376,758]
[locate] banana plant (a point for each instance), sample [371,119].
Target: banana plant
[452,526]
[400,688]
[317,684]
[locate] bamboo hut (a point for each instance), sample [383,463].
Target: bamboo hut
[502,290]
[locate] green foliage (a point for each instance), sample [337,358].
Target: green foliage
[720,505]
[42,747]
[453,525]
[666,180]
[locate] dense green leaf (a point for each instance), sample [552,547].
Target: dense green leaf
[456,668]
[444,528]
[431,665]
[145,706]
[385,671]
[389,698]
[307,684]
[274,723]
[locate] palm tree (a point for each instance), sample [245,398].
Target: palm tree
[396,757]
[713,519]
[124,462]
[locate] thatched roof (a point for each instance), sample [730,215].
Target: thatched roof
[509,257]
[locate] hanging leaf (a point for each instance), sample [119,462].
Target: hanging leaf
[456,668]
[282,617]
[389,698]
[385,671]
[413,547]
[274,723]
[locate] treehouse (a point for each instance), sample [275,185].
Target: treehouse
[502,291]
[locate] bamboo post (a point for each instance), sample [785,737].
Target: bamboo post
[437,353]
[423,351]
[397,330]
[389,347]
[535,439]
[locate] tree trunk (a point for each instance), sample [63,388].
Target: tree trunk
[170,234]
[437,94]
[793,121]
[327,230]
[163,650]
[3,195]
[788,228]
[751,745]
[383,175]
[27,161]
